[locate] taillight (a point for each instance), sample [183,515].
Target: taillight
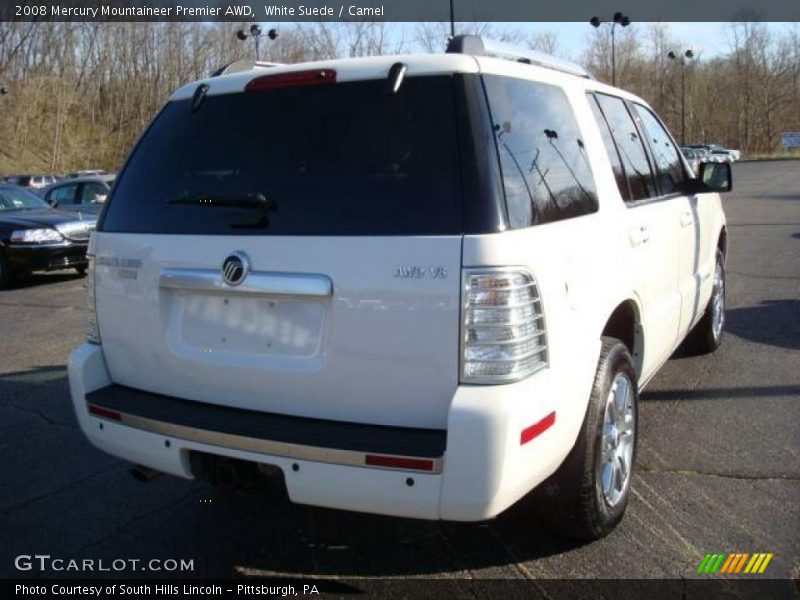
[294,79]
[106,413]
[504,338]
[92,331]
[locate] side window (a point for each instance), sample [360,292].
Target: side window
[611,149]
[546,172]
[631,151]
[93,193]
[665,153]
[63,195]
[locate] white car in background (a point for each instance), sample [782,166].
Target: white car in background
[717,153]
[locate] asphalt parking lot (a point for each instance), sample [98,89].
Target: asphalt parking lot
[718,467]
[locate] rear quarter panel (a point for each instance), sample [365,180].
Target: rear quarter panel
[580,267]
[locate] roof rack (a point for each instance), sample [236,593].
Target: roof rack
[245,64]
[474,44]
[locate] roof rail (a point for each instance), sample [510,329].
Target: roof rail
[245,64]
[474,44]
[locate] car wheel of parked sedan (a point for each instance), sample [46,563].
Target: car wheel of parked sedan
[4,274]
[81,270]
[588,494]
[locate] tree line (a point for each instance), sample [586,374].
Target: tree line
[79,94]
[742,98]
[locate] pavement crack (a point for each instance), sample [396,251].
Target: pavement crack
[38,413]
[517,563]
[667,522]
[740,476]
[136,519]
[455,555]
[709,366]
[28,501]
[314,539]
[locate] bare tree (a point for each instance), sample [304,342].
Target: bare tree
[80,93]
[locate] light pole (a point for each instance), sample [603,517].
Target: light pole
[256,34]
[622,21]
[682,60]
[452,20]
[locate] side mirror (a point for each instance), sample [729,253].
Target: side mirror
[53,203]
[716,176]
[711,177]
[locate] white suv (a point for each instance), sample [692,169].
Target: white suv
[414,285]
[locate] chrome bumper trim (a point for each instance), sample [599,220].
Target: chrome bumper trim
[260,446]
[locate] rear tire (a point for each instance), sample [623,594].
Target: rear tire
[81,270]
[587,496]
[5,276]
[706,336]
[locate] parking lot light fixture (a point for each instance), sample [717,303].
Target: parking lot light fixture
[682,59]
[622,21]
[256,33]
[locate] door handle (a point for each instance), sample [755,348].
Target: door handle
[639,235]
[686,218]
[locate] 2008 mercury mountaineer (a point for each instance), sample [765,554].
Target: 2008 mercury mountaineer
[416,285]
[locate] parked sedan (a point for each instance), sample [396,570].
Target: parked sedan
[723,155]
[35,182]
[703,155]
[717,153]
[692,157]
[36,237]
[84,195]
[733,154]
[87,173]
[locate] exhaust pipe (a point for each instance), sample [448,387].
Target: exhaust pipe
[144,474]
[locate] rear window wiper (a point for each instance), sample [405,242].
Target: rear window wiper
[255,200]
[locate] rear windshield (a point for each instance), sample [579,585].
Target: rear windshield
[339,159]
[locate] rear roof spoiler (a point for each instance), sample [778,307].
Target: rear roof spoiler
[475,45]
[240,66]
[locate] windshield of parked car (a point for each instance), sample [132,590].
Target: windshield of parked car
[19,199]
[341,159]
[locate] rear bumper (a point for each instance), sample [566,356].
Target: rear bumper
[46,257]
[334,442]
[500,442]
